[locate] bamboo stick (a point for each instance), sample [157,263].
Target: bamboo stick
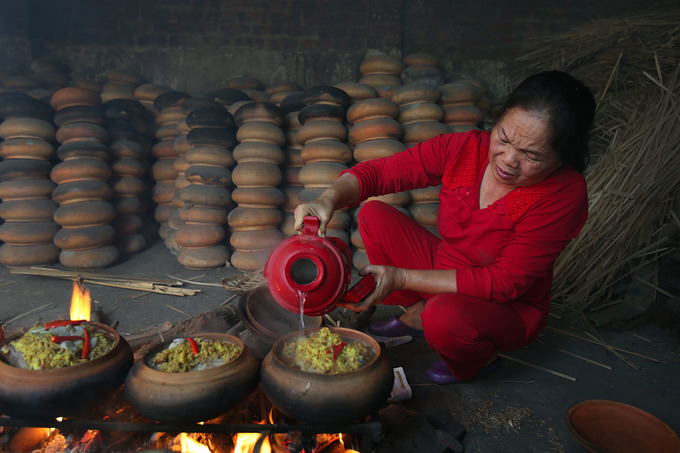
[124,282]
[578,356]
[56,273]
[193,282]
[538,367]
[613,351]
[597,342]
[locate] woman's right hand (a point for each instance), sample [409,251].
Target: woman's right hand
[342,193]
[319,208]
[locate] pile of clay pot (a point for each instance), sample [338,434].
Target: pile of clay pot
[94,171]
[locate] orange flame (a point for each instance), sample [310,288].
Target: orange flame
[189,445]
[80,302]
[245,443]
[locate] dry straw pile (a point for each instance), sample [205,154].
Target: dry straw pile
[632,64]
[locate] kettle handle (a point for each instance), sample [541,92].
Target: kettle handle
[310,225]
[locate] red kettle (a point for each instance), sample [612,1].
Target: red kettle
[310,273]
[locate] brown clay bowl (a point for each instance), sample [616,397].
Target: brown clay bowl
[271,318]
[327,398]
[196,395]
[266,321]
[64,391]
[609,426]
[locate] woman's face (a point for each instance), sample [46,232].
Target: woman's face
[520,154]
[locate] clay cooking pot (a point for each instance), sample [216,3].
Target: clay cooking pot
[195,395]
[63,391]
[327,398]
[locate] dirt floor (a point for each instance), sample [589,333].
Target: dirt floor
[521,407]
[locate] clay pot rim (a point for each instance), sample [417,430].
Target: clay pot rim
[619,407]
[247,318]
[346,334]
[194,374]
[60,372]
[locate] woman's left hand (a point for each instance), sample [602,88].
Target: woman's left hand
[388,279]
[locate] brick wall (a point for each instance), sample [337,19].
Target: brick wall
[198,45]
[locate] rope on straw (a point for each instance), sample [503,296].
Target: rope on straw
[631,64]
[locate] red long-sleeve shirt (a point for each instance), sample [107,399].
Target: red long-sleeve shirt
[505,252]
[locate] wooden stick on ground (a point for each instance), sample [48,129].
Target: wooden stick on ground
[597,342]
[610,349]
[160,286]
[538,367]
[573,354]
[56,273]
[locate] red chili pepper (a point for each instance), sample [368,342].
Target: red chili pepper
[86,345]
[62,323]
[60,338]
[337,349]
[194,345]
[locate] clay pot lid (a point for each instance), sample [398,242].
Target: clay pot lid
[245,82]
[170,99]
[327,95]
[123,108]
[321,111]
[283,85]
[602,425]
[421,58]
[18,104]
[259,111]
[227,96]
[216,116]
[294,102]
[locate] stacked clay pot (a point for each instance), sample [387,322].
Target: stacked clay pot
[419,112]
[147,93]
[227,97]
[25,188]
[129,167]
[169,106]
[87,236]
[207,198]
[324,152]
[255,221]
[357,91]
[180,164]
[126,123]
[120,85]
[459,101]
[52,73]
[291,106]
[86,83]
[251,86]
[422,67]
[375,133]
[483,102]
[424,206]
[382,72]
[278,91]
[421,117]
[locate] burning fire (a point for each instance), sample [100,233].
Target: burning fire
[245,443]
[189,445]
[80,302]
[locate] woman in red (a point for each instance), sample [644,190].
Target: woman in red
[510,200]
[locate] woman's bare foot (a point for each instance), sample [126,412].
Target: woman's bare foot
[412,316]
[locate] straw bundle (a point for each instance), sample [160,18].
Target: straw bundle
[631,64]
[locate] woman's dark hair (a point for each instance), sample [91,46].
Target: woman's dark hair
[569,107]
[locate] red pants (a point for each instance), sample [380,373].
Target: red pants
[465,331]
